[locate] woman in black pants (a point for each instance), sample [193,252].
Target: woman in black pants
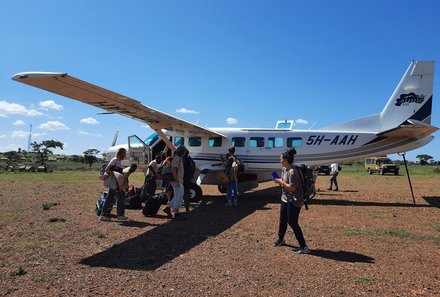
[291,201]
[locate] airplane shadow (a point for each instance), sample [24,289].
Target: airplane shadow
[342,202]
[342,256]
[433,201]
[168,241]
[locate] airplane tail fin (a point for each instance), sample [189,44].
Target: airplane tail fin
[410,102]
[412,99]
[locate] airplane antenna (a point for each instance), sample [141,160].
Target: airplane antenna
[115,138]
[313,125]
[29,138]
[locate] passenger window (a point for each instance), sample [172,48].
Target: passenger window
[179,141]
[275,142]
[238,141]
[294,141]
[194,141]
[256,142]
[215,141]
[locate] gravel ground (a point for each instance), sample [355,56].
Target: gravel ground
[367,240]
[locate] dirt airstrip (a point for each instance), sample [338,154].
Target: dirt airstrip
[366,240]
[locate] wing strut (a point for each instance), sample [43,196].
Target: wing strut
[409,179]
[165,139]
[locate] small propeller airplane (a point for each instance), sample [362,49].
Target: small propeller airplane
[404,124]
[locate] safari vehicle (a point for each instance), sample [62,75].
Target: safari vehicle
[325,169]
[382,165]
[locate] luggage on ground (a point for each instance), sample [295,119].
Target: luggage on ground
[153,204]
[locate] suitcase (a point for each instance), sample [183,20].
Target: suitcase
[152,206]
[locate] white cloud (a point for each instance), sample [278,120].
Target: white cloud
[9,147]
[53,126]
[20,134]
[302,122]
[7,108]
[90,121]
[81,132]
[3,136]
[184,110]
[25,134]
[50,104]
[18,123]
[231,121]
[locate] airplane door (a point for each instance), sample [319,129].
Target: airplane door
[138,152]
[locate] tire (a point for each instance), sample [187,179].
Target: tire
[222,189]
[381,172]
[396,172]
[195,193]
[369,171]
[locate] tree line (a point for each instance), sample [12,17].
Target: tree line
[42,150]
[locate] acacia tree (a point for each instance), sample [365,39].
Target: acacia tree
[424,158]
[44,148]
[90,156]
[13,157]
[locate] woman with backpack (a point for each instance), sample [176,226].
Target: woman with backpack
[291,201]
[231,172]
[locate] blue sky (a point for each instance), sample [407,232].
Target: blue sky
[223,63]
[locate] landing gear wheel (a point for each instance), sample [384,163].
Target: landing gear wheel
[222,189]
[195,193]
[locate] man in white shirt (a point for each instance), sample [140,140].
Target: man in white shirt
[335,171]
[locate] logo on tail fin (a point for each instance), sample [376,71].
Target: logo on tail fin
[406,99]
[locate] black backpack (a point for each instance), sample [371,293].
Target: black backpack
[307,183]
[102,168]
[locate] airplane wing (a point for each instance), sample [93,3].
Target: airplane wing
[412,129]
[71,87]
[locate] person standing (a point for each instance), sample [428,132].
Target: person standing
[116,185]
[232,174]
[177,183]
[291,201]
[188,174]
[334,173]
[149,188]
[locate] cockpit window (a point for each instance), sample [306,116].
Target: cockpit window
[150,140]
[179,140]
[238,141]
[194,141]
[215,141]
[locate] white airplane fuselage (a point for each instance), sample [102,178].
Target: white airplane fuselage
[260,149]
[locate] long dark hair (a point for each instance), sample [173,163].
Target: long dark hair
[289,155]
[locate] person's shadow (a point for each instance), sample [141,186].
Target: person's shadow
[342,256]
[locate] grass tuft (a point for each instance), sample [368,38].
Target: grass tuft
[57,220]
[41,278]
[101,234]
[19,272]
[361,280]
[49,205]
